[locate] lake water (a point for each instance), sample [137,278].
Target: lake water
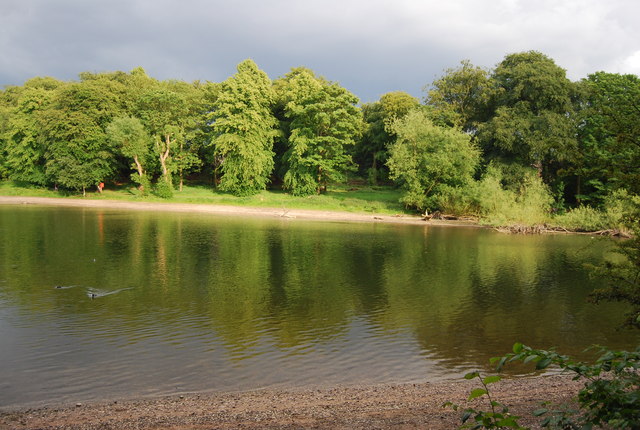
[99,304]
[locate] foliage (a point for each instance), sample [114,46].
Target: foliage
[25,146]
[78,153]
[163,189]
[624,274]
[372,149]
[610,396]
[425,158]
[497,417]
[162,111]
[461,96]
[130,136]
[323,121]
[531,117]
[612,216]
[529,204]
[244,129]
[609,136]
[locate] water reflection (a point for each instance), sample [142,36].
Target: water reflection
[98,303]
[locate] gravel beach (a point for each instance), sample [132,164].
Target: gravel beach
[402,406]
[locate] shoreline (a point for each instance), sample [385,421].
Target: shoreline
[417,405]
[301,214]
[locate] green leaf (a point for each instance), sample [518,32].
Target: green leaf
[539,412]
[501,363]
[491,379]
[543,364]
[517,348]
[467,414]
[471,375]
[477,392]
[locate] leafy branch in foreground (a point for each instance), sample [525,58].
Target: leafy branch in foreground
[498,415]
[610,396]
[611,393]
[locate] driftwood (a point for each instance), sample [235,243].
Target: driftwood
[438,215]
[543,228]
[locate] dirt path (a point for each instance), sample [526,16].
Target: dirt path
[405,406]
[304,214]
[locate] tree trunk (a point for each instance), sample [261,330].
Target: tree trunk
[165,155]
[140,171]
[84,192]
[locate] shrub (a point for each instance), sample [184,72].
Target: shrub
[529,205]
[163,189]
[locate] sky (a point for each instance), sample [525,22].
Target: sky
[370,47]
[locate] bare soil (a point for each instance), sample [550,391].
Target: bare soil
[402,406]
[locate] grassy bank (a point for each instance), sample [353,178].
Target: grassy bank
[345,198]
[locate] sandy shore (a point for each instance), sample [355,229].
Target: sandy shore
[403,406]
[303,214]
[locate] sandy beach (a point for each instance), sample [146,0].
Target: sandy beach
[402,406]
[302,214]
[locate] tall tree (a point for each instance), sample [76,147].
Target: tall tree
[323,121]
[78,153]
[163,113]
[532,116]
[25,145]
[426,157]
[460,96]
[244,129]
[609,136]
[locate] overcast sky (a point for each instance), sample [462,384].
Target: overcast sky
[369,46]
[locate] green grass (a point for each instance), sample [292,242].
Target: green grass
[343,198]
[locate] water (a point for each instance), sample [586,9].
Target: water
[98,304]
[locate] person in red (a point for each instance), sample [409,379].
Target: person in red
[100,186]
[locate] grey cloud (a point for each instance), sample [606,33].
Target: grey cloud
[370,47]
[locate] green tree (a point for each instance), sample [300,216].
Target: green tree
[243,130]
[460,97]
[372,148]
[78,152]
[426,158]
[531,119]
[163,113]
[129,135]
[608,135]
[323,121]
[25,146]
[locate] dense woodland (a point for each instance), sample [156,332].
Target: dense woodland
[520,141]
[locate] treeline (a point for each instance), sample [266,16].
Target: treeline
[518,140]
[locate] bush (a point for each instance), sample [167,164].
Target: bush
[617,206]
[144,183]
[582,218]
[529,205]
[163,189]
[458,201]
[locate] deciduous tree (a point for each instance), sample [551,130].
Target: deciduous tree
[128,134]
[427,157]
[531,120]
[243,130]
[324,121]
